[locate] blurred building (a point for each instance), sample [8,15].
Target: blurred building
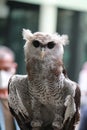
[62,16]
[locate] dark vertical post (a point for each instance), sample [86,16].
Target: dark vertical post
[74,45]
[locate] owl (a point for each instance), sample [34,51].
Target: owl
[45,98]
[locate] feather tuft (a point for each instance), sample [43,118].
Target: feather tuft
[64,40]
[27,35]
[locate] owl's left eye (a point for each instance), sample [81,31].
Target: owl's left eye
[50,45]
[36,43]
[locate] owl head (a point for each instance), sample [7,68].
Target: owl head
[43,45]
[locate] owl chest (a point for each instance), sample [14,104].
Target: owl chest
[45,85]
[47,92]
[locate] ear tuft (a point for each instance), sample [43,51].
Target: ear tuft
[64,39]
[27,35]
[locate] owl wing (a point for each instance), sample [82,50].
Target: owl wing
[72,115]
[18,100]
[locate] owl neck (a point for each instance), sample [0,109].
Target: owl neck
[36,67]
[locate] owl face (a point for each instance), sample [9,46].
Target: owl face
[43,46]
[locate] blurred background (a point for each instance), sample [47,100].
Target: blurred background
[62,16]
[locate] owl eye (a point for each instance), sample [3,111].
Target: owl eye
[36,43]
[50,45]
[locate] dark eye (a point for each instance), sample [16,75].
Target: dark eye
[36,43]
[50,45]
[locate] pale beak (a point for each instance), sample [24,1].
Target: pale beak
[42,52]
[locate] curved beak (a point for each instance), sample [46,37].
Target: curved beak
[42,52]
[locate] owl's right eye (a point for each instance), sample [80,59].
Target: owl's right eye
[36,43]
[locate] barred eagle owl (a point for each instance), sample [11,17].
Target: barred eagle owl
[45,98]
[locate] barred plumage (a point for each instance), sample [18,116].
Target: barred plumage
[46,96]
